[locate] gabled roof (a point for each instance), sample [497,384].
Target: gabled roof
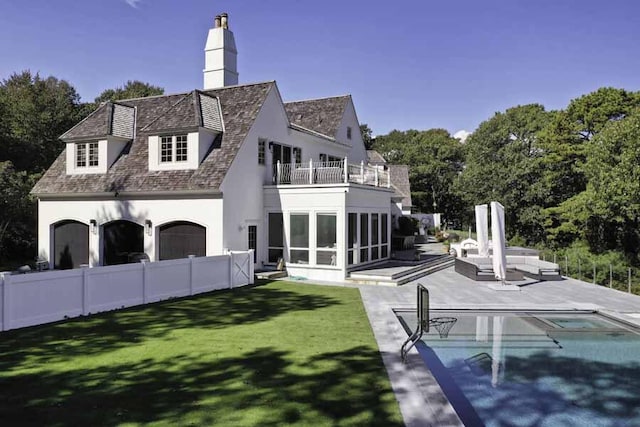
[375,158]
[130,172]
[399,175]
[109,119]
[320,115]
[194,110]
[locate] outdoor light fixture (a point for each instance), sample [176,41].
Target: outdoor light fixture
[94,226]
[270,145]
[147,227]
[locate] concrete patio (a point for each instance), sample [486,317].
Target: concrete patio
[422,402]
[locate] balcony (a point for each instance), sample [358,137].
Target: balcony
[340,172]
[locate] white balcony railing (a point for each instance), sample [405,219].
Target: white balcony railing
[340,172]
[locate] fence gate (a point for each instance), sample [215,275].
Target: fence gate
[241,268]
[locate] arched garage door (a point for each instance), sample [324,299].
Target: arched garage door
[122,240]
[181,239]
[70,244]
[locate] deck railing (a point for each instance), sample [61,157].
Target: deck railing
[336,172]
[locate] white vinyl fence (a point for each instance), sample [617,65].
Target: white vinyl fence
[49,296]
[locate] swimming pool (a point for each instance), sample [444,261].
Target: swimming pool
[535,368]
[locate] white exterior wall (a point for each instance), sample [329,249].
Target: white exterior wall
[313,146]
[206,212]
[242,186]
[220,58]
[357,152]
[311,200]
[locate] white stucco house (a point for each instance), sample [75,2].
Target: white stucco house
[228,167]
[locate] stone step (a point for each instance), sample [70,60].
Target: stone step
[367,274]
[405,276]
[271,275]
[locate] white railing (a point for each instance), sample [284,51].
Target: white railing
[49,296]
[340,172]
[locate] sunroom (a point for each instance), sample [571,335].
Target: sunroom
[323,231]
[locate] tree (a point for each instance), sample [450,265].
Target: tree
[564,140]
[17,219]
[131,89]
[434,158]
[607,214]
[365,131]
[500,165]
[35,111]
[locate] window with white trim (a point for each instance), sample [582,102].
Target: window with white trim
[261,153]
[86,154]
[173,149]
[299,228]
[276,237]
[326,239]
[364,237]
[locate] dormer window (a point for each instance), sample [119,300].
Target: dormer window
[86,154]
[173,149]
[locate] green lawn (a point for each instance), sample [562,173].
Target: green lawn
[274,354]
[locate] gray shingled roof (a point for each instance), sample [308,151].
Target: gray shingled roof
[130,172]
[399,175]
[109,118]
[188,113]
[375,158]
[320,115]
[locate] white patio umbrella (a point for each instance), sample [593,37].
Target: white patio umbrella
[482,328]
[496,350]
[498,239]
[482,229]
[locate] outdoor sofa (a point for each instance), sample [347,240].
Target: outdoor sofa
[535,268]
[481,269]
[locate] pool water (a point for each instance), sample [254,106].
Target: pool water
[535,369]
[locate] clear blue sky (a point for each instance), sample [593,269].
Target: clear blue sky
[408,64]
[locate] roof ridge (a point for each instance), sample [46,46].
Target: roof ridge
[348,95]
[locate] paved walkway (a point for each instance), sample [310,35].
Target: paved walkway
[422,402]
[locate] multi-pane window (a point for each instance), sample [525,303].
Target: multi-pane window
[166,149]
[81,155]
[93,154]
[261,143]
[364,237]
[384,229]
[252,240]
[276,240]
[326,240]
[181,148]
[353,238]
[299,228]
[374,236]
[173,148]
[87,154]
